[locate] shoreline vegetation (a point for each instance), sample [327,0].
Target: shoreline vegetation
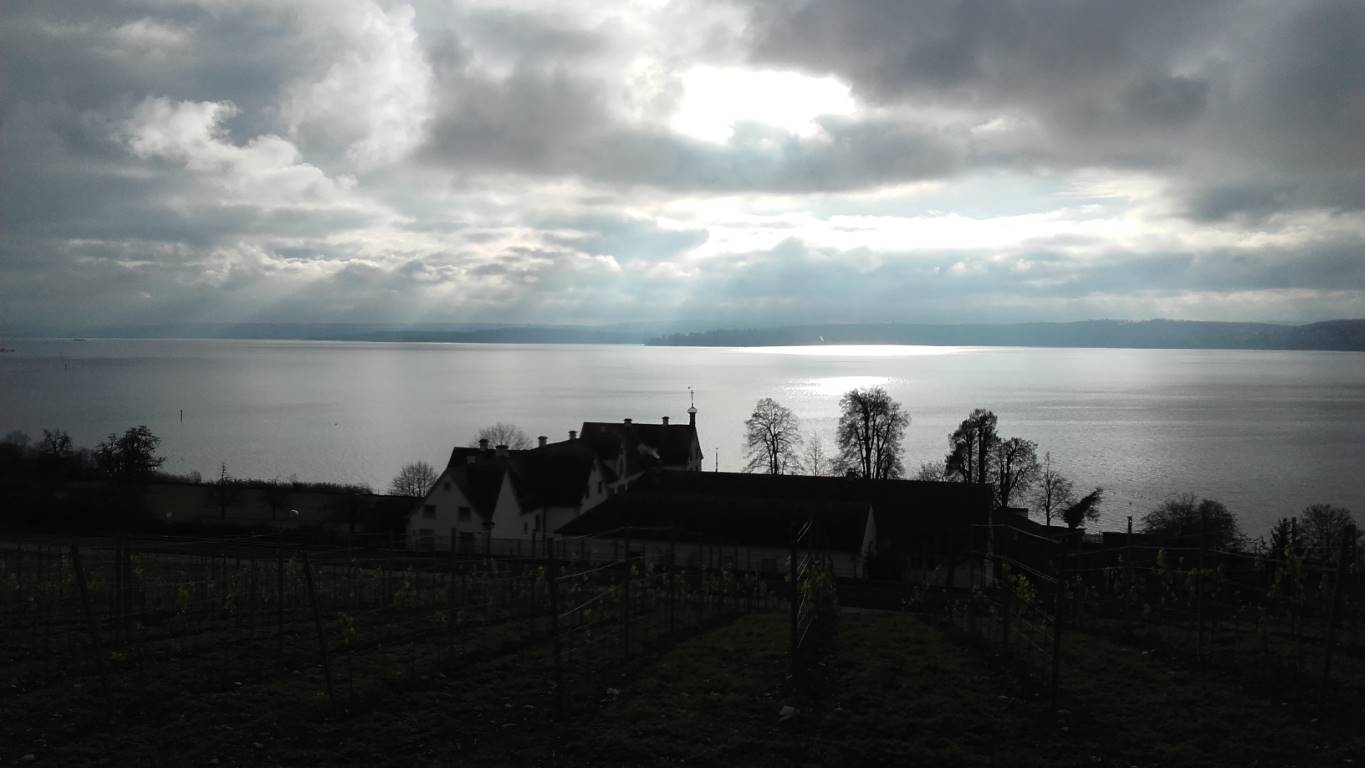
[1336,335]
[1331,335]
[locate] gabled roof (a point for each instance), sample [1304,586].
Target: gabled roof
[723,520]
[555,474]
[644,446]
[904,509]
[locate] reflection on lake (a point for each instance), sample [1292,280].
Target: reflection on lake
[1265,432]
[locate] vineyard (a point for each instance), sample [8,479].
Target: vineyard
[1286,627]
[102,637]
[249,651]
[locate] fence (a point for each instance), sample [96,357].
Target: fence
[139,619]
[1018,610]
[1283,622]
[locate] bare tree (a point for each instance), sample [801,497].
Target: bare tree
[56,443]
[503,433]
[772,434]
[1053,492]
[1187,518]
[1321,527]
[414,479]
[130,456]
[971,447]
[932,471]
[871,431]
[1016,468]
[814,460]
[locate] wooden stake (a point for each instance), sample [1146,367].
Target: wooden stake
[317,622]
[90,623]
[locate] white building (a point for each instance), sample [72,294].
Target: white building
[493,498]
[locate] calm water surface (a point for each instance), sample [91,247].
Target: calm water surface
[1265,432]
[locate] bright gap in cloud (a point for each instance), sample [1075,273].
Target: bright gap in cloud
[716,98]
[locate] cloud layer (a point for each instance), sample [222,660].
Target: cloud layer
[684,163]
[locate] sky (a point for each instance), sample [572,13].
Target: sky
[690,164]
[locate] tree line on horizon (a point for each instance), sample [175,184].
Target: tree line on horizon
[1140,334]
[869,443]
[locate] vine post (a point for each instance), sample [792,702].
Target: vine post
[795,597]
[552,571]
[279,596]
[672,563]
[450,600]
[317,623]
[1057,633]
[1199,582]
[625,604]
[90,623]
[1348,537]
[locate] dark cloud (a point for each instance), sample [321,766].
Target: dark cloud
[1189,89]
[364,161]
[554,124]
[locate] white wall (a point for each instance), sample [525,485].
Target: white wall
[507,512]
[447,498]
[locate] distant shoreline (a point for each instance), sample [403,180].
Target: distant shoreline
[1332,335]
[1335,335]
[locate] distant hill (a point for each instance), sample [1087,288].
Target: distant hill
[1169,334]
[513,335]
[1145,334]
[468,333]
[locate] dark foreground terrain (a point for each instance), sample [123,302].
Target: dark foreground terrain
[899,690]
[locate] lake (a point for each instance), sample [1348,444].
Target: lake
[1264,432]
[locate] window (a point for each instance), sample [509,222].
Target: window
[525,528]
[429,511]
[599,486]
[447,485]
[465,513]
[537,521]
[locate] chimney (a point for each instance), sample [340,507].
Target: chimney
[627,421]
[502,450]
[573,434]
[665,421]
[543,440]
[483,443]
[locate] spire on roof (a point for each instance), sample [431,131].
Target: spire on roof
[692,409]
